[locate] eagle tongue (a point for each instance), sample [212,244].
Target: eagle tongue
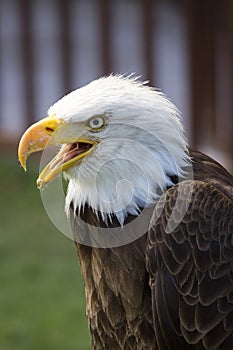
[68,152]
[74,150]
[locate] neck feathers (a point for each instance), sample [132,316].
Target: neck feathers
[123,187]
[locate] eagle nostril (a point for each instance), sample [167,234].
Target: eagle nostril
[49,130]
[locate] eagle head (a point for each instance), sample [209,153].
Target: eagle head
[121,142]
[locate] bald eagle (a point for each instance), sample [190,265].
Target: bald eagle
[151,219]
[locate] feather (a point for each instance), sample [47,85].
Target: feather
[151,219]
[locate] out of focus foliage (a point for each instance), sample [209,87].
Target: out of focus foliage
[42,304]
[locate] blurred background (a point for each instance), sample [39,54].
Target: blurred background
[47,49]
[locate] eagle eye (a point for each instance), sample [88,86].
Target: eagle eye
[96,123]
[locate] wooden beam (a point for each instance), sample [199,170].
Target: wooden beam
[148,38]
[202,69]
[229,9]
[27,61]
[105,33]
[65,42]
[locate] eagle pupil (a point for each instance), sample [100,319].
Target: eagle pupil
[96,122]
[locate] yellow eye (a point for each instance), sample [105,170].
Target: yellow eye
[96,122]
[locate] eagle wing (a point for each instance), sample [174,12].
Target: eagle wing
[190,263]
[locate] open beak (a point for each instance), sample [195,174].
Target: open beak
[48,132]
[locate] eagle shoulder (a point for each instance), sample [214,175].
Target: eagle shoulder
[190,263]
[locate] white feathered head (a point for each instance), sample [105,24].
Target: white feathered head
[121,142]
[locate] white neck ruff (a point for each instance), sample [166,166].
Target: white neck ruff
[123,183]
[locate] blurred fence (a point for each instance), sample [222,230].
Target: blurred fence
[184,47]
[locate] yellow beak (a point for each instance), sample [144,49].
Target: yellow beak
[47,132]
[36,138]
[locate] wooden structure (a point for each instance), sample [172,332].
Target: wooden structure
[103,33]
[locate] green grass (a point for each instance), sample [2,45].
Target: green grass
[42,304]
